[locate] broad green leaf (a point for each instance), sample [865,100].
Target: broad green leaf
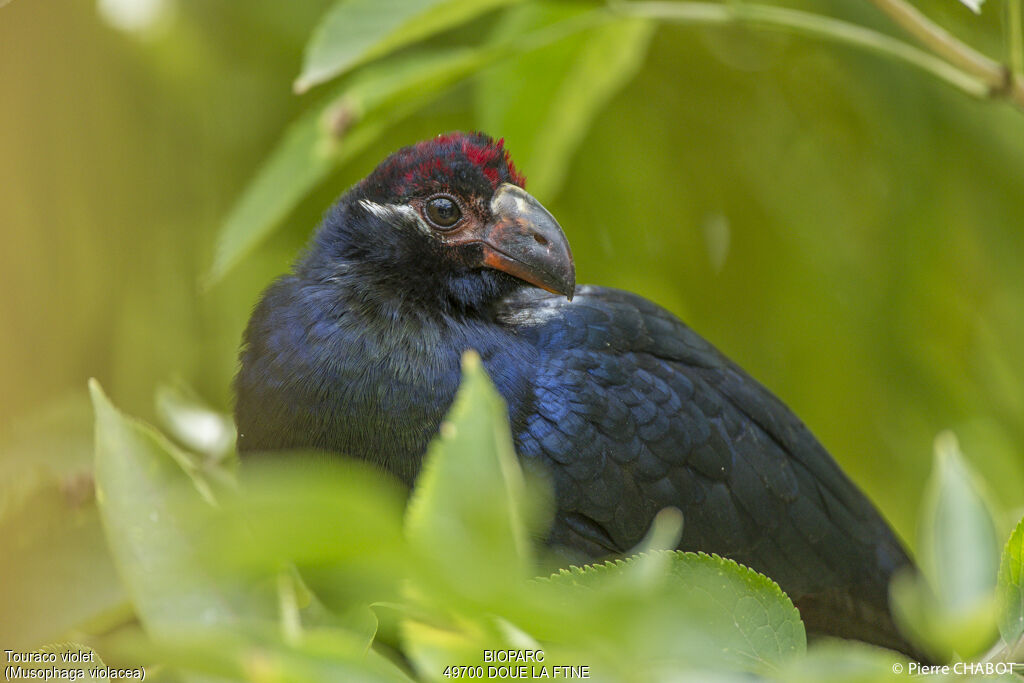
[682,609]
[148,489]
[543,103]
[356,31]
[951,607]
[468,515]
[1011,588]
[767,626]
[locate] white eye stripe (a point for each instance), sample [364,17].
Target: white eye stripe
[396,214]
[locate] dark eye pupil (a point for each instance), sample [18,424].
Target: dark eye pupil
[443,212]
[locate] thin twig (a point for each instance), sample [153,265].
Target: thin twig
[807,24]
[999,78]
[953,61]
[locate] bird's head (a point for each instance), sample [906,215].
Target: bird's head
[446,219]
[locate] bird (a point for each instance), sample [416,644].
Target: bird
[441,250]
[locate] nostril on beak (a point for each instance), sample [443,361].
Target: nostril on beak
[540,239]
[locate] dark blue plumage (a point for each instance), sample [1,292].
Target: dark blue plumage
[358,350]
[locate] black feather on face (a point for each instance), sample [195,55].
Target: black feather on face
[445,222]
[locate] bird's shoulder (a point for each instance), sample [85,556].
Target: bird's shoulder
[618,340]
[605,320]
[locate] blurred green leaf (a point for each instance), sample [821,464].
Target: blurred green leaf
[56,573]
[1011,589]
[921,614]
[544,102]
[141,481]
[973,5]
[665,533]
[56,438]
[682,609]
[951,606]
[844,661]
[193,423]
[356,31]
[295,165]
[433,646]
[959,548]
[468,513]
[339,521]
[320,655]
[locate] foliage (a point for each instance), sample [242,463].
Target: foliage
[845,229]
[545,100]
[951,608]
[306,568]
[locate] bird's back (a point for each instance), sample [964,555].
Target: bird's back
[635,412]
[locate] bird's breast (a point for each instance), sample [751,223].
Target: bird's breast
[385,395]
[372,386]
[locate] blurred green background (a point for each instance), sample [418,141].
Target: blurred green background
[846,228]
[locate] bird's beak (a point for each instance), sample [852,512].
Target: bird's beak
[525,241]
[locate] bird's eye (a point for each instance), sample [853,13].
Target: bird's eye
[443,212]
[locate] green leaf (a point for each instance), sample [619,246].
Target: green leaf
[468,515]
[432,646]
[543,103]
[322,654]
[148,491]
[339,521]
[690,609]
[959,547]
[356,31]
[921,614]
[1011,588]
[951,607]
[56,573]
[848,661]
[295,166]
